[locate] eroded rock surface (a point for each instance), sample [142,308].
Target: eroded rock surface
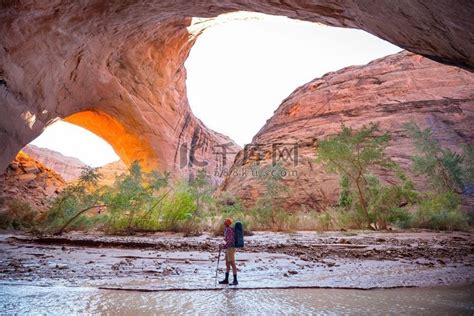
[117,68]
[69,168]
[27,180]
[390,91]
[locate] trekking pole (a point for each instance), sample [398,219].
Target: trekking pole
[217,268]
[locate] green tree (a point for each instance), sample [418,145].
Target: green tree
[131,194]
[89,177]
[351,154]
[385,201]
[267,206]
[445,169]
[449,174]
[202,190]
[76,199]
[345,197]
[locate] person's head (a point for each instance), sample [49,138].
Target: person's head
[228,222]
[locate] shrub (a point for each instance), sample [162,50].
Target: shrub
[178,212]
[18,215]
[449,174]
[445,169]
[400,217]
[441,212]
[352,154]
[73,201]
[385,201]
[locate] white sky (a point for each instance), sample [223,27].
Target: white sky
[74,141]
[238,74]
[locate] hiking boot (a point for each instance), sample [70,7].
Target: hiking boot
[235,282]
[226,280]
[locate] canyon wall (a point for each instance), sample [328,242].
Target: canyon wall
[389,91]
[117,68]
[110,171]
[28,180]
[69,168]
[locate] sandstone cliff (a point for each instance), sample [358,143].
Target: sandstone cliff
[117,68]
[27,180]
[389,91]
[110,171]
[69,168]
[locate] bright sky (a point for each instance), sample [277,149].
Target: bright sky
[238,74]
[74,141]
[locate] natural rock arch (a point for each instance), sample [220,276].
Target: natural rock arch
[126,59]
[127,142]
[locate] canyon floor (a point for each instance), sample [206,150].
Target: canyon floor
[163,261]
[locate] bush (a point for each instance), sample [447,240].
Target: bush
[18,215]
[354,218]
[441,212]
[445,169]
[73,201]
[178,212]
[353,154]
[230,206]
[385,201]
[400,217]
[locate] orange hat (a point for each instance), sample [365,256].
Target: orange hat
[228,221]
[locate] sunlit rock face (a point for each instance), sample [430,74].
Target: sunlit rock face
[69,168]
[111,171]
[389,91]
[122,63]
[129,145]
[28,180]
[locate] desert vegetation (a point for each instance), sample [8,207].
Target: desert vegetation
[141,201]
[364,200]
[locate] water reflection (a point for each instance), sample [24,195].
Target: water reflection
[25,299]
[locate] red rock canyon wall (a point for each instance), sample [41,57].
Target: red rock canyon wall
[122,62]
[389,91]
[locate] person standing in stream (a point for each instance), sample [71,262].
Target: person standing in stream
[229,249]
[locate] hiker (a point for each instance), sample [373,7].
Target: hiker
[229,249]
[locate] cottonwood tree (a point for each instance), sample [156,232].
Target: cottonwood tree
[445,169]
[202,189]
[271,177]
[76,199]
[353,154]
[450,174]
[133,193]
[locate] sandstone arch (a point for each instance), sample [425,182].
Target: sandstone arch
[126,59]
[127,143]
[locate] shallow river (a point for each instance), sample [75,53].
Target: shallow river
[26,299]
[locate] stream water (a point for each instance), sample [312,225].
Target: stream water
[27,299]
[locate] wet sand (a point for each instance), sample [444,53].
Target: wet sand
[162,261]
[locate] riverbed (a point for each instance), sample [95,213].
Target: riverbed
[300,273]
